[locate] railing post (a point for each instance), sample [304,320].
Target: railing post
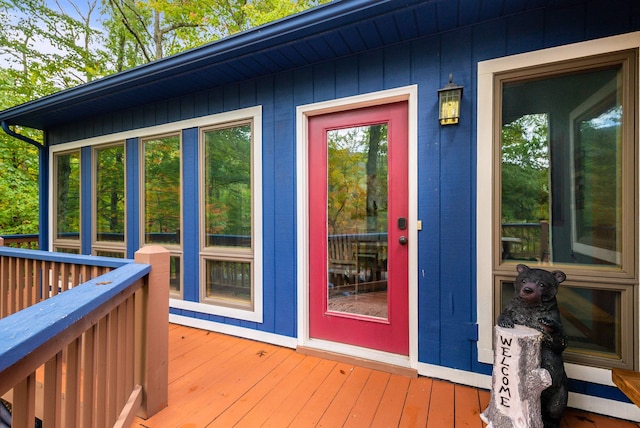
[153,374]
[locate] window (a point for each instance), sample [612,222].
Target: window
[161,201]
[565,195]
[230,273]
[109,210]
[66,170]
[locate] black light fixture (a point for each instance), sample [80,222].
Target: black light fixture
[449,103]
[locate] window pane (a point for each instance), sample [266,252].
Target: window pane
[228,186]
[110,194]
[174,274]
[106,253]
[229,282]
[357,205]
[67,168]
[591,317]
[67,250]
[162,190]
[561,169]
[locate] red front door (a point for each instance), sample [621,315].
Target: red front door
[358,218]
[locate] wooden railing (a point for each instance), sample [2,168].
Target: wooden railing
[526,241]
[21,241]
[83,340]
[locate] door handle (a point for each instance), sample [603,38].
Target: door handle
[403,240]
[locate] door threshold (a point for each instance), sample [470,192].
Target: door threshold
[357,361]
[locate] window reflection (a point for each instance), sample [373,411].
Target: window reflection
[561,169]
[162,190]
[67,167]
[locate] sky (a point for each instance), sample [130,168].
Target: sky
[73,8]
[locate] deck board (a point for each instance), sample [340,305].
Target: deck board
[217,380]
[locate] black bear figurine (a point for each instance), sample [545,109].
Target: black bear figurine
[534,305]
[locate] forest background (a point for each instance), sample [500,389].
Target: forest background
[51,45]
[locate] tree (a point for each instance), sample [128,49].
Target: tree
[148,30]
[525,169]
[46,46]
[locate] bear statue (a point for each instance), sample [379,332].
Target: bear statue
[534,305]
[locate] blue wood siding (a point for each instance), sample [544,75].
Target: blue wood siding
[132,199]
[446,156]
[190,233]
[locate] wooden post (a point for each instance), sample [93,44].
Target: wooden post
[517,379]
[154,374]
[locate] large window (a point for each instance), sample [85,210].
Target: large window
[228,199]
[161,201]
[66,172]
[109,210]
[565,195]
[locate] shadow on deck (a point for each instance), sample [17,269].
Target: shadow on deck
[217,380]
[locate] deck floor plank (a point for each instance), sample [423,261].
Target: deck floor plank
[345,399]
[278,396]
[392,402]
[299,396]
[217,380]
[367,403]
[416,408]
[441,405]
[234,385]
[254,396]
[467,407]
[322,397]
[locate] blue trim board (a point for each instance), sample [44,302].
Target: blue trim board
[43,185]
[86,198]
[190,223]
[132,192]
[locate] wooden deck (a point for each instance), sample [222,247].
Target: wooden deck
[223,381]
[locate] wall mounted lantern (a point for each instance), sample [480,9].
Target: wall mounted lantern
[449,102]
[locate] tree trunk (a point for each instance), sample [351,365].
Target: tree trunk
[517,379]
[372,178]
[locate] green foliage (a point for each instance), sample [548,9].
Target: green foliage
[110,190]
[162,185]
[18,187]
[228,181]
[45,48]
[525,169]
[357,179]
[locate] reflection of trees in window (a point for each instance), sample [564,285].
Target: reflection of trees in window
[110,193]
[357,179]
[68,195]
[228,185]
[525,169]
[162,190]
[597,184]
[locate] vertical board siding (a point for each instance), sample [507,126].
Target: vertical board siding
[132,200]
[86,186]
[427,71]
[190,223]
[270,134]
[521,41]
[282,205]
[456,212]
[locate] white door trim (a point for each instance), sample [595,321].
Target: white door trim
[409,94]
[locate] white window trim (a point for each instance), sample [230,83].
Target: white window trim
[252,112]
[303,112]
[485,196]
[206,306]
